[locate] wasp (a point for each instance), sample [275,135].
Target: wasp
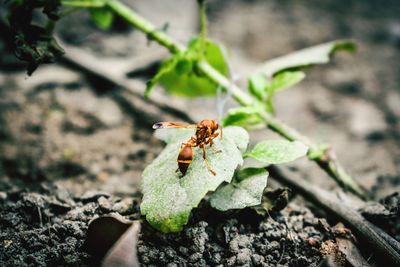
[206,132]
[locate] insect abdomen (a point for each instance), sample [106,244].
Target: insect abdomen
[185,157]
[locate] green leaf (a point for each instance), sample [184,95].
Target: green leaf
[239,135]
[245,191]
[319,54]
[102,17]
[165,68]
[258,86]
[277,151]
[189,83]
[184,66]
[286,79]
[264,91]
[168,198]
[244,116]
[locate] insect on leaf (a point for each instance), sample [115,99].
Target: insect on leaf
[168,198]
[277,151]
[245,191]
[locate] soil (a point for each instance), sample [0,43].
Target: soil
[70,151]
[48,228]
[292,237]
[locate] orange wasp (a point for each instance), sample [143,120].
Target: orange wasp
[206,131]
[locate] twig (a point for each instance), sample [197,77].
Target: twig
[332,167]
[352,218]
[391,241]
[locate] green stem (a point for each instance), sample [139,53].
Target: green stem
[329,164]
[82,4]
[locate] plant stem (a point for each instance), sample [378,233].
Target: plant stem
[82,4]
[329,164]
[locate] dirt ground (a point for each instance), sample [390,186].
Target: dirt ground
[71,151]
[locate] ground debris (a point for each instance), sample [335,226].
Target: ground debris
[385,214]
[283,239]
[48,227]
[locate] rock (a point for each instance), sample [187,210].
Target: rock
[274,245]
[198,236]
[3,195]
[244,257]
[124,206]
[91,196]
[257,259]
[105,204]
[195,257]
[240,241]
[231,261]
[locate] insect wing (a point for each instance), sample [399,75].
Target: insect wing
[169,124]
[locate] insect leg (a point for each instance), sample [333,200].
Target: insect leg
[206,161]
[211,142]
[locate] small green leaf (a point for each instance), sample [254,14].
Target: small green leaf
[286,79]
[102,17]
[277,151]
[245,191]
[165,68]
[244,116]
[319,54]
[185,81]
[168,198]
[258,86]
